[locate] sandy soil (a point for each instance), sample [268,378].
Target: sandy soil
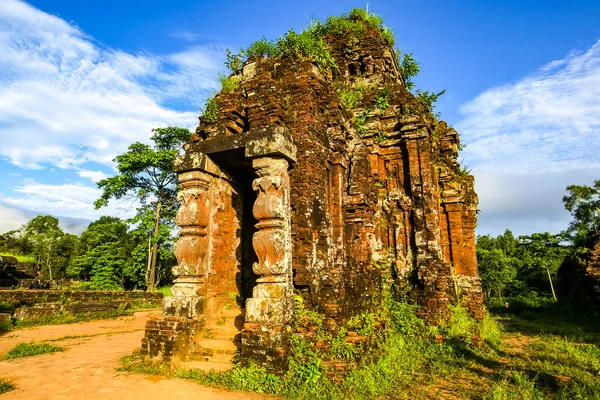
[87,369]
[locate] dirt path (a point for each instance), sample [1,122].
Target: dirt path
[86,370]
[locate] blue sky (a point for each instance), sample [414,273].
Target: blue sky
[79,81]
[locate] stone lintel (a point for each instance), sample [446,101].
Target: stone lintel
[263,142]
[193,164]
[271,142]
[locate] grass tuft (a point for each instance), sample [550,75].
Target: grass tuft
[31,349]
[6,386]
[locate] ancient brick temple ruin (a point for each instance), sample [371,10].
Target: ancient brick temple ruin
[286,191]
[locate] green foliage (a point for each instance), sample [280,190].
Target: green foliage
[428,99]
[382,100]
[519,265]
[31,349]
[352,96]
[340,349]
[409,68]
[165,290]
[262,48]
[583,202]
[210,114]
[303,317]
[497,271]
[51,247]
[364,324]
[360,121]
[68,318]
[103,251]
[6,386]
[309,42]
[234,61]
[306,44]
[229,83]
[145,174]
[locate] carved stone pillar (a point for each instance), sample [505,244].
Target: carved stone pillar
[192,248]
[271,302]
[265,337]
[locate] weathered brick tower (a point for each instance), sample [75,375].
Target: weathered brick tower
[290,189]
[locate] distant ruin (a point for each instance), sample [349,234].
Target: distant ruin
[287,191]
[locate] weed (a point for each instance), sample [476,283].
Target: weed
[6,386]
[211,111]
[364,324]
[235,61]
[409,68]
[351,97]
[340,349]
[31,349]
[360,121]
[380,137]
[382,101]
[229,83]
[306,44]
[165,290]
[428,99]
[262,48]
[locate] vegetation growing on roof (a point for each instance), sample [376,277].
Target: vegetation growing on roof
[309,42]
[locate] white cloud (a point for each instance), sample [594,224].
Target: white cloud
[66,100]
[12,218]
[94,176]
[547,121]
[69,199]
[528,140]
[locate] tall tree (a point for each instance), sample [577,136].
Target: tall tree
[46,237]
[497,264]
[584,204]
[541,254]
[145,172]
[105,247]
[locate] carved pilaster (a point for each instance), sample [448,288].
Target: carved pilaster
[192,248]
[272,296]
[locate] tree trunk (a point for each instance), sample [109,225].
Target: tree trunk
[551,285]
[48,267]
[152,274]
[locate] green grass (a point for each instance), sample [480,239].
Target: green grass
[539,359]
[22,258]
[165,290]
[68,318]
[229,83]
[6,386]
[31,349]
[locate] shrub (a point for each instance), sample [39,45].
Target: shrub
[262,48]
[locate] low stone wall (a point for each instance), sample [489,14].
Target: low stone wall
[23,298]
